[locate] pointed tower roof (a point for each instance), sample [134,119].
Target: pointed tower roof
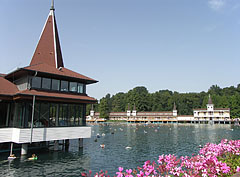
[48,50]
[128,106]
[174,106]
[210,100]
[134,107]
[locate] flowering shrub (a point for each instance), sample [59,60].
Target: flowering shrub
[213,160]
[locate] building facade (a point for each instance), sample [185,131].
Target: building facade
[208,115]
[140,117]
[211,113]
[44,101]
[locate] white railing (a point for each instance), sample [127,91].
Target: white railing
[18,135]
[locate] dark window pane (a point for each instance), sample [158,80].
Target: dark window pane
[80,88]
[55,84]
[3,114]
[44,115]
[36,82]
[79,115]
[71,114]
[64,85]
[63,112]
[73,87]
[53,115]
[46,83]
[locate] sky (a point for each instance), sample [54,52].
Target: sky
[180,45]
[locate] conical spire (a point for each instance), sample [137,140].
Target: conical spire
[209,99]
[174,106]
[128,106]
[134,107]
[48,50]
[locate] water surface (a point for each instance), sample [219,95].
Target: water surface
[147,142]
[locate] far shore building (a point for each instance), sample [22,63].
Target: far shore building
[212,114]
[209,115]
[44,101]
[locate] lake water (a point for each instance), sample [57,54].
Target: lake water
[147,142]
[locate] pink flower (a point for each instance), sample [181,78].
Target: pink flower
[238,169]
[120,169]
[119,174]
[129,173]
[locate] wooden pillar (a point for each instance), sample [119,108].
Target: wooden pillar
[80,140]
[56,145]
[66,145]
[24,149]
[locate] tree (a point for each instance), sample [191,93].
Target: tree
[104,108]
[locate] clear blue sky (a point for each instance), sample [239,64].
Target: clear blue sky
[180,45]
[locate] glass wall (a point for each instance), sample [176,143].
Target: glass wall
[3,114]
[57,85]
[45,115]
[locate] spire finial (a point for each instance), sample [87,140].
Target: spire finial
[52,6]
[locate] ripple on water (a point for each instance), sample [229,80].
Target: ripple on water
[168,139]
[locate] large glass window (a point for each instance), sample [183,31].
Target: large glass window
[53,115]
[3,114]
[36,82]
[63,115]
[79,115]
[44,115]
[64,86]
[80,88]
[71,114]
[55,84]
[73,86]
[46,83]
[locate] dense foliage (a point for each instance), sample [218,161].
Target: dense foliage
[163,100]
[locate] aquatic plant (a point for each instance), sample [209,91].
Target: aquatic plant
[213,160]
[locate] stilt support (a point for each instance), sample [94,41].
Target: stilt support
[66,145]
[24,149]
[80,142]
[56,145]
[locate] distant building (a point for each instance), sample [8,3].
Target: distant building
[134,116]
[44,101]
[211,113]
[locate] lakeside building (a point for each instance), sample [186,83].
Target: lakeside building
[209,115]
[134,116]
[44,101]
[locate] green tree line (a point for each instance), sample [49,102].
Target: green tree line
[163,100]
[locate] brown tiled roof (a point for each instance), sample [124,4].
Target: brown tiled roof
[7,87]
[53,95]
[185,115]
[42,67]
[221,108]
[204,109]
[48,49]
[157,112]
[210,100]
